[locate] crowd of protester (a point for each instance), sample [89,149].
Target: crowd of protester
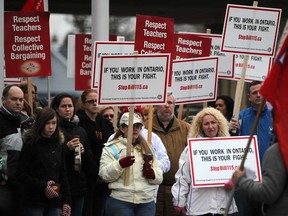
[68,158]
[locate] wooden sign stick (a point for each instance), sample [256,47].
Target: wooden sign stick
[150,122]
[240,84]
[129,144]
[205,104]
[29,89]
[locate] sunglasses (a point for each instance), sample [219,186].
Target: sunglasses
[91,101]
[108,116]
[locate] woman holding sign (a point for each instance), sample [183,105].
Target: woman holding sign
[201,201]
[136,198]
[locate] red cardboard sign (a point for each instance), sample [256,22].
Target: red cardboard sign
[27,44]
[191,46]
[154,35]
[83,61]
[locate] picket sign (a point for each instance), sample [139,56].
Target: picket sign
[240,84]
[115,117]
[237,104]
[129,144]
[129,140]
[205,104]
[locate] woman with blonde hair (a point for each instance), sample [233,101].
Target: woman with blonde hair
[187,200]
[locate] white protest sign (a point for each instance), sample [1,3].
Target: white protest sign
[133,80]
[225,60]
[194,80]
[257,67]
[250,30]
[213,160]
[104,48]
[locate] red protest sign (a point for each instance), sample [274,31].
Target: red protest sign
[83,61]
[154,35]
[191,46]
[27,44]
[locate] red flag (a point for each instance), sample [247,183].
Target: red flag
[274,90]
[33,5]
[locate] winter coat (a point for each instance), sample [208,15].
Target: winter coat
[273,191]
[39,163]
[140,189]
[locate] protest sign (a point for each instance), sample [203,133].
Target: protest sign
[213,160]
[191,46]
[195,80]
[133,80]
[83,61]
[257,67]
[250,30]
[27,44]
[104,48]
[225,60]
[154,35]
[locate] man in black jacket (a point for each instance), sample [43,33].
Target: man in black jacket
[98,130]
[12,122]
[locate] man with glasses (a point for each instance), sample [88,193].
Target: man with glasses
[173,132]
[12,122]
[98,130]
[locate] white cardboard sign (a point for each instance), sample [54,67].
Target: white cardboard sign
[133,80]
[257,67]
[104,48]
[195,80]
[213,160]
[250,30]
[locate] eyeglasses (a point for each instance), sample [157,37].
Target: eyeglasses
[108,116]
[91,101]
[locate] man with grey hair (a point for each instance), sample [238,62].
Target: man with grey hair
[173,132]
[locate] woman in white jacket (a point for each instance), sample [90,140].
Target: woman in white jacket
[137,198]
[201,201]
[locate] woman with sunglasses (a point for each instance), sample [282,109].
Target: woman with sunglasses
[107,112]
